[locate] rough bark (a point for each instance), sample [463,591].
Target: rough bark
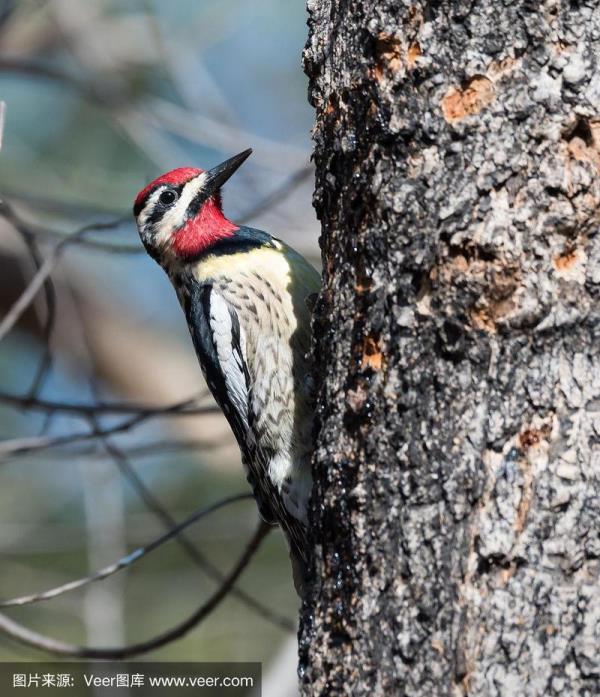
[457,499]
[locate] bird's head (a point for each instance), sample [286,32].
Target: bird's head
[179,215]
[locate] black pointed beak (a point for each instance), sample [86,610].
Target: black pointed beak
[217,176]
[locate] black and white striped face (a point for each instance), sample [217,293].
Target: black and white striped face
[169,210]
[165,205]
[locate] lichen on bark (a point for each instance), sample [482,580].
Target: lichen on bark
[456,508]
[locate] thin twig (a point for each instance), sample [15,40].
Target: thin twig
[101,95]
[17,446]
[279,194]
[38,231]
[29,239]
[40,641]
[194,553]
[148,448]
[183,408]
[125,561]
[200,128]
[38,280]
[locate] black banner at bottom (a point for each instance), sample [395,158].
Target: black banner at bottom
[139,679]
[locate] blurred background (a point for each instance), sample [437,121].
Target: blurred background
[101,97]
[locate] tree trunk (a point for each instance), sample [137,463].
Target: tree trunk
[456,507]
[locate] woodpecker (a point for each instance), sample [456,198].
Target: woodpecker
[245,296]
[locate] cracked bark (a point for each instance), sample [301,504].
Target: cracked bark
[457,499]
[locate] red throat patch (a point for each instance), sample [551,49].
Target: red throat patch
[201,232]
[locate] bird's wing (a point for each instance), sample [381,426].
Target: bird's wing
[216,336]
[220,345]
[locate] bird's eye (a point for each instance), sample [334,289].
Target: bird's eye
[167,197]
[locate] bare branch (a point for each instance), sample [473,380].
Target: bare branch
[149,448]
[30,638]
[203,129]
[279,194]
[101,95]
[161,115]
[24,445]
[125,561]
[18,446]
[19,307]
[59,206]
[194,553]
[71,209]
[183,408]
[31,244]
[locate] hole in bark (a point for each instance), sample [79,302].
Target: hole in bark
[338,639]
[581,129]
[470,98]
[531,437]
[583,140]
[414,51]
[566,259]
[388,49]
[451,341]
[452,332]
[498,562]
[417,279]
[493,561]
[432,9]
[371,353]
[392,57]
[425,617]
[332,104]
[471,252]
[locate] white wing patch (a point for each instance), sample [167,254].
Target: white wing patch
[230,359]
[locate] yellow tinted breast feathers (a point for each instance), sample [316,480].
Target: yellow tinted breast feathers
[281,266]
